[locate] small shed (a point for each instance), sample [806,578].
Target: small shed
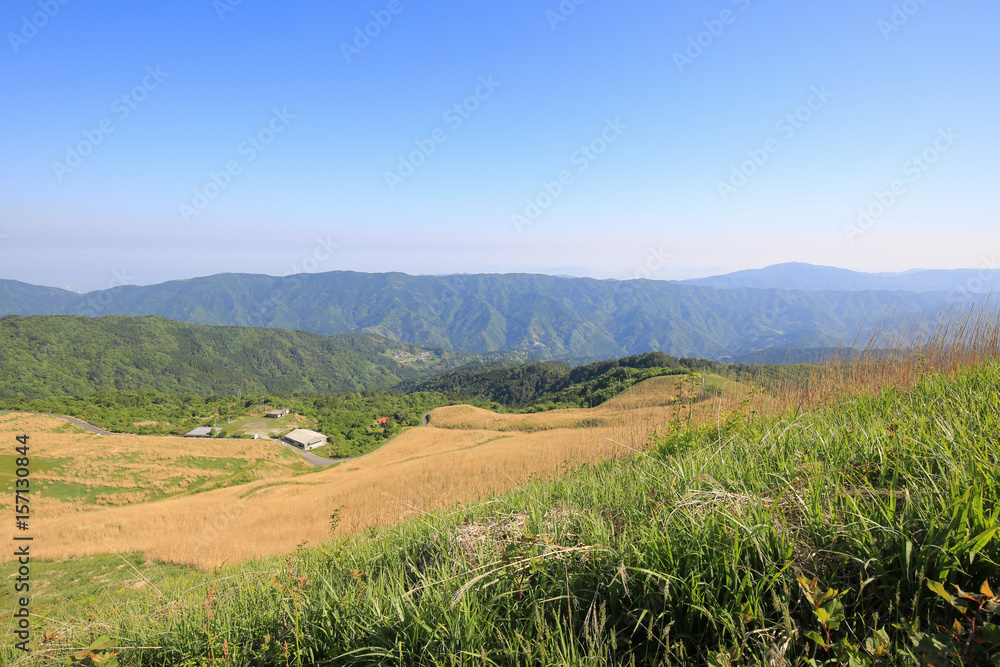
[277,413]
[382,421]
[202,432]
[305,439]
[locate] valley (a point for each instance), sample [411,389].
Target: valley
[194,502]
[463,493]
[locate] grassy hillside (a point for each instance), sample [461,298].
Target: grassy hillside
[46,356]
[349,419]
[77,470]
[847,535]
[549,316]
[465,453]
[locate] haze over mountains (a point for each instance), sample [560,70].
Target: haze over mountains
[552,317]
[796,275]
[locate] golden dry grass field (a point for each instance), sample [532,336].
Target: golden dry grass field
[141,497]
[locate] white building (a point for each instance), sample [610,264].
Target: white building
[305,439]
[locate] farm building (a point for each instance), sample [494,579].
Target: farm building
[305,439]
[382,421]
[278,413]
[202,432]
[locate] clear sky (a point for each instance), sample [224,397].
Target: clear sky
[146,141]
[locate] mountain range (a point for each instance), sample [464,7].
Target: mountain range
[800,276]
[549,317]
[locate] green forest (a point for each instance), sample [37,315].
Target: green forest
[546,385]
[552,317]
[52,356]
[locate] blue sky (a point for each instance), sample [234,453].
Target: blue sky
[149,141]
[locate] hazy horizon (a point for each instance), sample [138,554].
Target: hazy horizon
[122,278]
[168,142]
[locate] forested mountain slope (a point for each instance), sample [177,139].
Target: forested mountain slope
[552,317]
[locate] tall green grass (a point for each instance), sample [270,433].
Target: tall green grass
[816,536]
[859,526]
[898,352]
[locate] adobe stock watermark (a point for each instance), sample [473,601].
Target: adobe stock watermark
[223,7]
[248,151]
[656,260]
[972,295]
[321,253]
[215,527]
[363,35]
[582,158]
[765,323]
[786,126]
[31,25]
[714,29]
[913,170]
[121,108]
[98,304]
[900,16]
[973,289]
[262,312]
[562,13]
[454,116]
[425,324]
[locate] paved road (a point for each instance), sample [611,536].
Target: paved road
[71,420]
[319,461]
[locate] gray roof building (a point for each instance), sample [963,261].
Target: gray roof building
[202,432]
[305,439]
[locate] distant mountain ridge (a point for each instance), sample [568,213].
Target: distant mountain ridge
[546,316]
[809,277]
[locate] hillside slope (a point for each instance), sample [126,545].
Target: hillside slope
[550,316]
[859,534]
[44,356]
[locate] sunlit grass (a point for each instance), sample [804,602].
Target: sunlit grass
[755,528]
